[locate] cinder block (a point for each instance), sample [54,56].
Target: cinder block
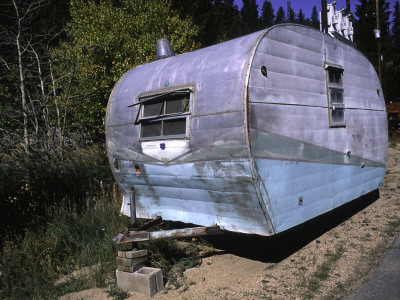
[147,281]
[130,262]
[120,268]
[122,253]
[129,269]
[134,269]
[136,253]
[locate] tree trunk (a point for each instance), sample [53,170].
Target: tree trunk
[21,80]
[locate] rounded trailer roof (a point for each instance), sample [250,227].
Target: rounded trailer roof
[216,71]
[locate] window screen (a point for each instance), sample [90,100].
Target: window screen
[335,96]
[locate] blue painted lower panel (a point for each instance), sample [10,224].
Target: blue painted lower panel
[204,193]
[322,187]
[223,193]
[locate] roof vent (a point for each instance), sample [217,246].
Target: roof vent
[164,49]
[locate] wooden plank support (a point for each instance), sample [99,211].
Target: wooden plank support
[140,236]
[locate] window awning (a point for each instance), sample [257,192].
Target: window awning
[334,67]
[162,95]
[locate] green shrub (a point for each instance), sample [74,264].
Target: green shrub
[70,241]
[31,182]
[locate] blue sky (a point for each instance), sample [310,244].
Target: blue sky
[307,5]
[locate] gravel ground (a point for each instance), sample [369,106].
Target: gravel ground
[323,259]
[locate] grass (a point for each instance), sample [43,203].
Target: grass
[32,182]
[75,241]
[313,285]
[58,214]
[32,263]
[116,293]
[173,258]
[392,227]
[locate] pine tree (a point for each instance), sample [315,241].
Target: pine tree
[280,16]
[396,27]
[365,25]
[366,42]
[203,14]
[301,18]
[249,13]
[291,16]
[267,14]
[314,22]
[391,65]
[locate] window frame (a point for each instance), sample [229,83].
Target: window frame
[332,70]
[163,96]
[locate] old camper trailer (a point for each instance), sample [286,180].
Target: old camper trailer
[255,135]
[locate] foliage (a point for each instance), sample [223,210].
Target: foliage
[66,209]
[391,64]
[75,241]
[217,20]
[314,22]
[106,40]
[290,15]
[396,27]
[267,14]
[313,284]
[226,20]
[27,29]
[116,293]
[301,18]
[364,37]
[173,258]
[280,16]
[31,182]
[249,14]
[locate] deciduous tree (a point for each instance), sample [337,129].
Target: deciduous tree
[106,40]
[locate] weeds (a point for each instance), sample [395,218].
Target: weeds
[33,182]
[323,272]
[173,258]
[116,293]
[392,227]
[70,241]
[67,212]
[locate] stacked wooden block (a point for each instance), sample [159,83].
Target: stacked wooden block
[131,261]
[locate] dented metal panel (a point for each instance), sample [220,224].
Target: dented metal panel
[259,154]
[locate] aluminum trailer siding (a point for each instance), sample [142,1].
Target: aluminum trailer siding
[256,135]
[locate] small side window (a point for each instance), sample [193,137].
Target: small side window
[164,115]
[335,93]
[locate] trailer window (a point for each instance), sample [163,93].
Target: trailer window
[335,93]
[164,115]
